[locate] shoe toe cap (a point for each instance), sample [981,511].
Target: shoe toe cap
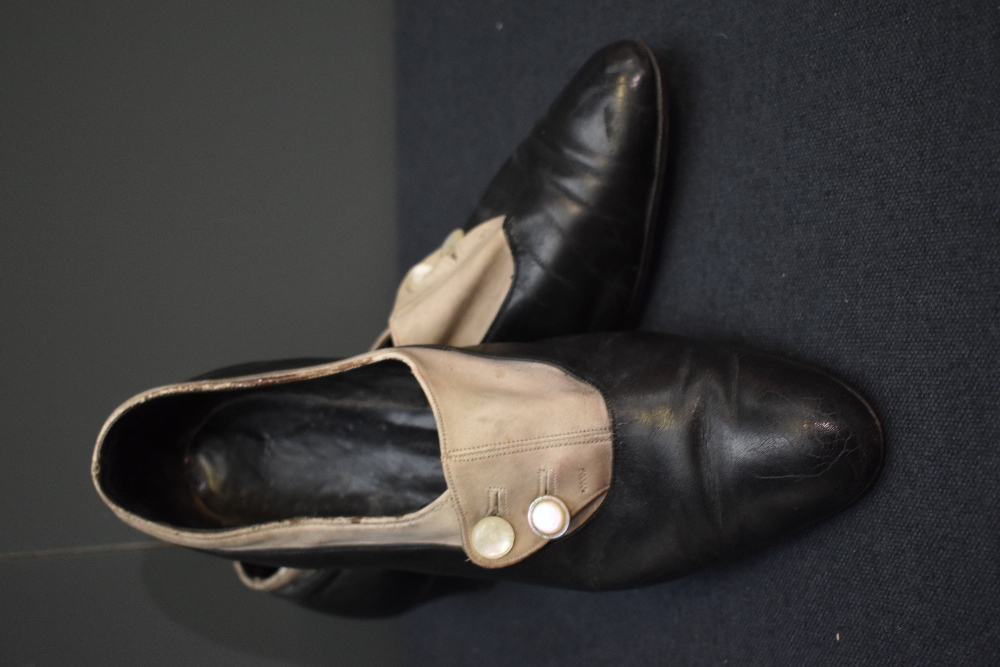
[611,109]
[811,447]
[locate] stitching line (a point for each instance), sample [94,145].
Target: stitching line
[465,454]
[464,459]
[543,438]
[463,515]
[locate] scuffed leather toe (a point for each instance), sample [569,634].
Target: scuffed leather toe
[803,446]
[606,116]
[603,125]
[580,196]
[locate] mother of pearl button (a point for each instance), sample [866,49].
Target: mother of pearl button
[492,537]
[417,276]
[548,517]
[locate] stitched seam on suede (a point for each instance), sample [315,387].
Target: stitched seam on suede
[498,494]
[520,450]
[528,441]
[443,436]
[503,449]
[459,458]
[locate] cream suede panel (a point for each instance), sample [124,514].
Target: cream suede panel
[511,431]
[453,296]
[282,577]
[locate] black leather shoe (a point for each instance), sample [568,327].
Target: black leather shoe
[592,462]
[559,244]
[561,241]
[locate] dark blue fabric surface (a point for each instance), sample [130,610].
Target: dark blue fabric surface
[833,197]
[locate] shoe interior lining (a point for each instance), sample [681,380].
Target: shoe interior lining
[360,443]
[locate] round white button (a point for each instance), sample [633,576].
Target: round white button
[417,276]
[492,537]
[548,517]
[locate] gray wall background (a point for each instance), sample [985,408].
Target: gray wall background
[183,186]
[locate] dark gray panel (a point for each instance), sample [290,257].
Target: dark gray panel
[169,607]
[182,186]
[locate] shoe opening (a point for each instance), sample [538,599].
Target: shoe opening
[359,443]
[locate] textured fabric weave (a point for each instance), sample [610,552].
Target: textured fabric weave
[833,197]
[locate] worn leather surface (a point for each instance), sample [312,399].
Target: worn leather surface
[360,444]
[716,451]
[580,195]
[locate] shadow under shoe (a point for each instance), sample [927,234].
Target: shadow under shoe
[359,592]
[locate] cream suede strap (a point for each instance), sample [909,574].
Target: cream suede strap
[510,432]
[454,294]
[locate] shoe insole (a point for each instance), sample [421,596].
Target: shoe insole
[359,444]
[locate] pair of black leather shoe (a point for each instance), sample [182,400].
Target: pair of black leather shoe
[497,430]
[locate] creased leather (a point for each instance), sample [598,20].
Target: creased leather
[581,195]
[578,199]
[717,450]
